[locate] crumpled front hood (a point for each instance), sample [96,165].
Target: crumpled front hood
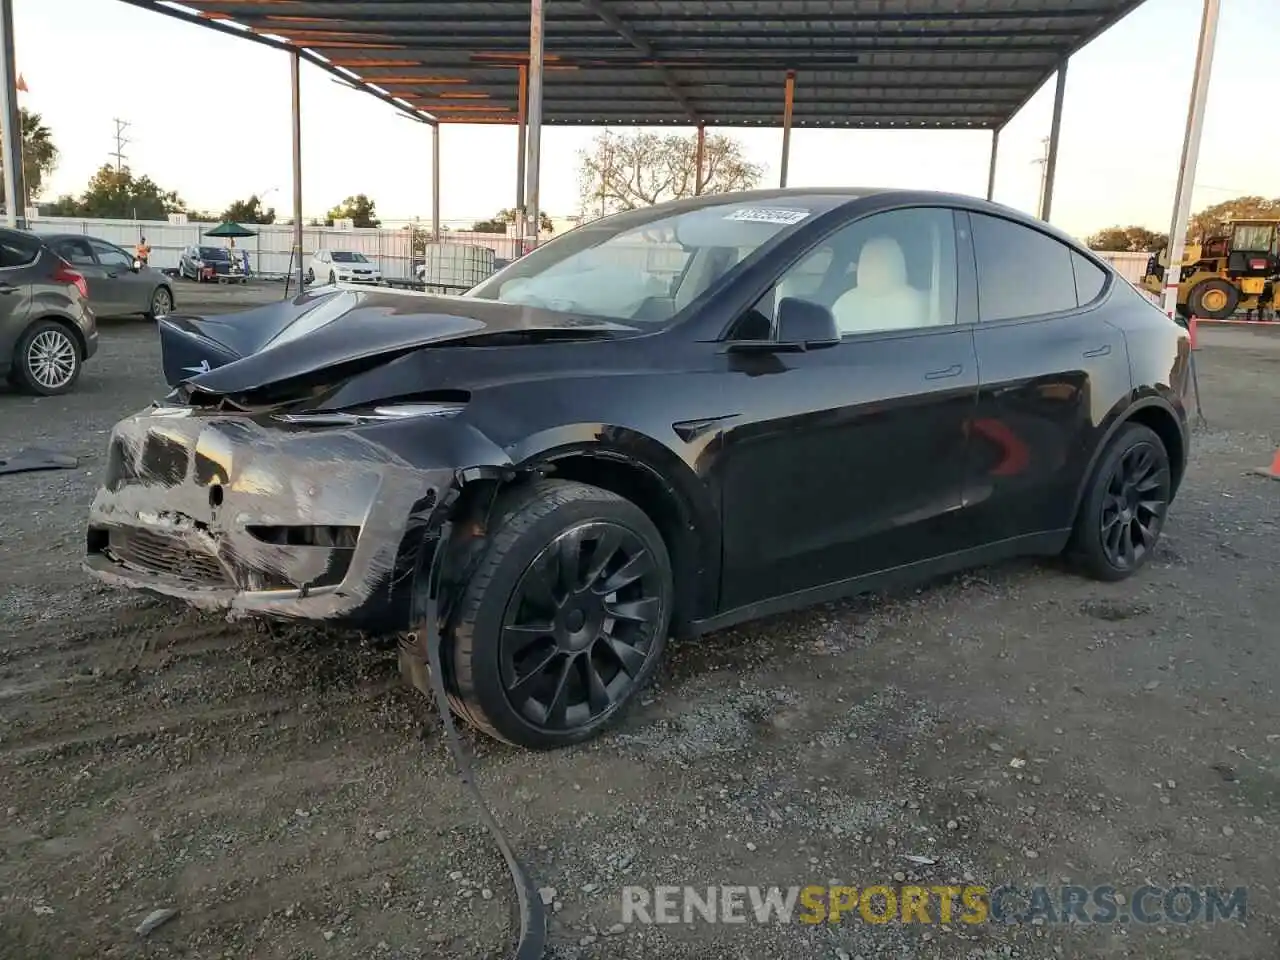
[337,326]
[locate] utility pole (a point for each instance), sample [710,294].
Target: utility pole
[121,141]
[1044,172]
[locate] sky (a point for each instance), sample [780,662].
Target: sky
[209,118]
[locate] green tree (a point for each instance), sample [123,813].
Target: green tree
[249,211]
[625,172]
[1211,221]
[359,209]
[499,222]
[118,195]
[1133,239]
[39,155]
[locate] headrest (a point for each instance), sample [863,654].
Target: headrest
[881,266]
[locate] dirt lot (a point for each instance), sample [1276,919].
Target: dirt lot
[292,799]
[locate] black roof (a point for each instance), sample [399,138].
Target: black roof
[942,64]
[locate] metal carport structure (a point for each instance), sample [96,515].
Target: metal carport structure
[889,64]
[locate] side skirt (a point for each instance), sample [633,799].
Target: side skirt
[1035,544]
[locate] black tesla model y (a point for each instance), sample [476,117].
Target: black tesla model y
[658,424]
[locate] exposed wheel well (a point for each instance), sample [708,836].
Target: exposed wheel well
[1166,428]
[640,486]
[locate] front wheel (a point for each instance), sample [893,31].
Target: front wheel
[1124,506]
[332,277]
[564,619]
[311,276]
[1214,299]
[161,303]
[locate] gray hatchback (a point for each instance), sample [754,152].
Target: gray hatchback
[47,329]
[119,284]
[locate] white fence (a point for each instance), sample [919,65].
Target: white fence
[1129,265]
[269,251]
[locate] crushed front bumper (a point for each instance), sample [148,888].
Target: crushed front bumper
[226,513]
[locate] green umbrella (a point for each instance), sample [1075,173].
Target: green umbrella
[230,229]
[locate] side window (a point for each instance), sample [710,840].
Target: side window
[110,256]
[890,271]
[1090,279]
[76,252]
[1021,272]
[17,250]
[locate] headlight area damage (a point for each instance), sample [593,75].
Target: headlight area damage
[276,516]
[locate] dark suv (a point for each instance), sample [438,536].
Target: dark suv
[47,329]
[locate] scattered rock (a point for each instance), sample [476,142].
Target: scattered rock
[547,895]
[382,835]
[155,919]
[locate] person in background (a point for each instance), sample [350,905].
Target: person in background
[244,254]
[143,250]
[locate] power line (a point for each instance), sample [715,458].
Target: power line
[121,141]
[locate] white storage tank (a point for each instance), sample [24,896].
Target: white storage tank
[455,267]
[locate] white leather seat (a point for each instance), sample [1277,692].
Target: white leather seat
[883,298]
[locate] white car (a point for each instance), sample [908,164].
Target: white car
[342,266]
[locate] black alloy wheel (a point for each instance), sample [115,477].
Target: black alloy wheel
[579,626]
[564,618]
[1125,507]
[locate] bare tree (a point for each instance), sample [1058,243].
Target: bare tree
[627,171]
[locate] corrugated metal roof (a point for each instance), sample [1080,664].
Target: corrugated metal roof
[857,63]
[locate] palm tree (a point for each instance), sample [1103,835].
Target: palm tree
[39,155]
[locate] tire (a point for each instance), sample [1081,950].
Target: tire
[489,637]
[1223,299]
[47,360]
[161,302]
[333,277]
[311,276]
[1127,496]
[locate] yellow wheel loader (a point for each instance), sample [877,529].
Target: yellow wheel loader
[1238,270]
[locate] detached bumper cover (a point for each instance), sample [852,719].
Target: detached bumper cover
[226,513]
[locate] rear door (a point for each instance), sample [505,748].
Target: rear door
[103,294]
[131,288]
[1048,362]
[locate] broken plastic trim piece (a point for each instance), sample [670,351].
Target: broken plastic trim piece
[533,919]
[390,411]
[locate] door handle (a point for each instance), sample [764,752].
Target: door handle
[1101,351]
[8,288]
[952,371]
[110,275]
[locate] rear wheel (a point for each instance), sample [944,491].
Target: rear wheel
[1213,300]
[564,619]
[1124,507]
[311,276]
[47,359]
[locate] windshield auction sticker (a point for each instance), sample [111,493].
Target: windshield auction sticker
[768,215]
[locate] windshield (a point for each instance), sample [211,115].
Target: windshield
[346,256]
[212,253]
[618,269]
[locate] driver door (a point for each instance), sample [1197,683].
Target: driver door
[130,289]
[850,459]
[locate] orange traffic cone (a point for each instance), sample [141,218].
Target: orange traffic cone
[1273,471]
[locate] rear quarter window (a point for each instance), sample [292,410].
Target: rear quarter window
[1090,279]
[17,250]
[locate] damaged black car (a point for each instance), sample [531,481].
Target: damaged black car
[661,423]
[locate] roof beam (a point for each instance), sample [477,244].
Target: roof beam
[621,29]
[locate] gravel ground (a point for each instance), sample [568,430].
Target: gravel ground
[291,798]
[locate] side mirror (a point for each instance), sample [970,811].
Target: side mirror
[805,322]
[802,325]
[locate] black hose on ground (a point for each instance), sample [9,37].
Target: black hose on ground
[426,639]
